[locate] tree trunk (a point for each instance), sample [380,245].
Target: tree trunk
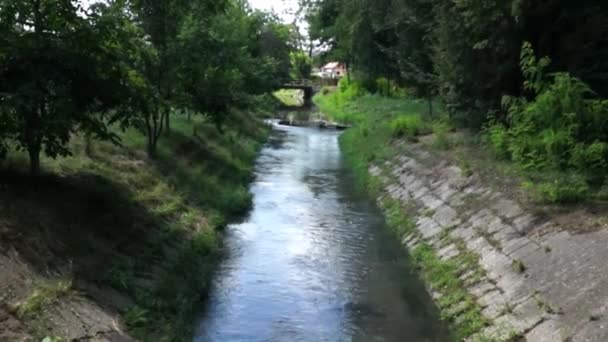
[167,118]
[152,148]
[34,154]
[154,125]
[430,101]
[88,145]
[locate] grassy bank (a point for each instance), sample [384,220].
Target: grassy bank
[144,231]
[371,140]
[382,128]
[290,97]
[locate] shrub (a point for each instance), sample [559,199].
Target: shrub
[441,129]
[406,125]
[591,158]
[347,92]
[561,130]
[383,86]
[497,137]
[564,189]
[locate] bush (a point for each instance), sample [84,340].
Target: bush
[406,126]
[441,129]
[497,137]
[561,130]
[383,86]
[564,189]
[590,158]
[347,92]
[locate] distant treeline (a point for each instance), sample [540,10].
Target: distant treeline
[466,51]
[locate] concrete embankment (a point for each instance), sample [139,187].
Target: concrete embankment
[540,280]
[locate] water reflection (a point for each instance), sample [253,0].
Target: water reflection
[313,261]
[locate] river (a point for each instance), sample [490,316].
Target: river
[313,260]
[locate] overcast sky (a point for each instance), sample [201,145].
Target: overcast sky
[284,8]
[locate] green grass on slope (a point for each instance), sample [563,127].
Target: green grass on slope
[147,228]
[290,97]
[370,141]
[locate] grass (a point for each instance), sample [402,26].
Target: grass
[396,220]
[44,295]
[289,97]
[442,276]
[370,141]
[409,126]
[154,225]
[518,266]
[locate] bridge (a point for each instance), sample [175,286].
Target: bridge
[310,88]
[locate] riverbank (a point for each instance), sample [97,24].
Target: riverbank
[111,245]
[499,266]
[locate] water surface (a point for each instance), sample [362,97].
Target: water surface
[313,261]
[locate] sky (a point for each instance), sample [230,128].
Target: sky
[284,8]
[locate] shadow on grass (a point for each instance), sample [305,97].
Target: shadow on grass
[213,169]
[90,228]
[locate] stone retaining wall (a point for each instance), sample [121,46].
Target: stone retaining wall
[540,282]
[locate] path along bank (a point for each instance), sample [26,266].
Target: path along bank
[498,267]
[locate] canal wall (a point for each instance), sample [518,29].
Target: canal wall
[533,279]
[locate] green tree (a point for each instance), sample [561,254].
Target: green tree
[228,57]
[58,74]
[301,65]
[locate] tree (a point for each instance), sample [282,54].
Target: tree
[301,65]
[58,73]
[161,21]
[228,57]
[413,49]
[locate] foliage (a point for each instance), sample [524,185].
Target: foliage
[136,317]
[408,125]
[570,188]
[184,198]
[67,67]
[58,74]
[498,140]
[289,97]
[44,295]
[562,129]
[464,51]
[369,142]
[301,65]
[441,130]
[443,277]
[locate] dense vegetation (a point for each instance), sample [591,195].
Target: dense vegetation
[67,68]
[529,77]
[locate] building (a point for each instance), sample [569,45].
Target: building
[333,70]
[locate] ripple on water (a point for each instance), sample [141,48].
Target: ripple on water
[313,262]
